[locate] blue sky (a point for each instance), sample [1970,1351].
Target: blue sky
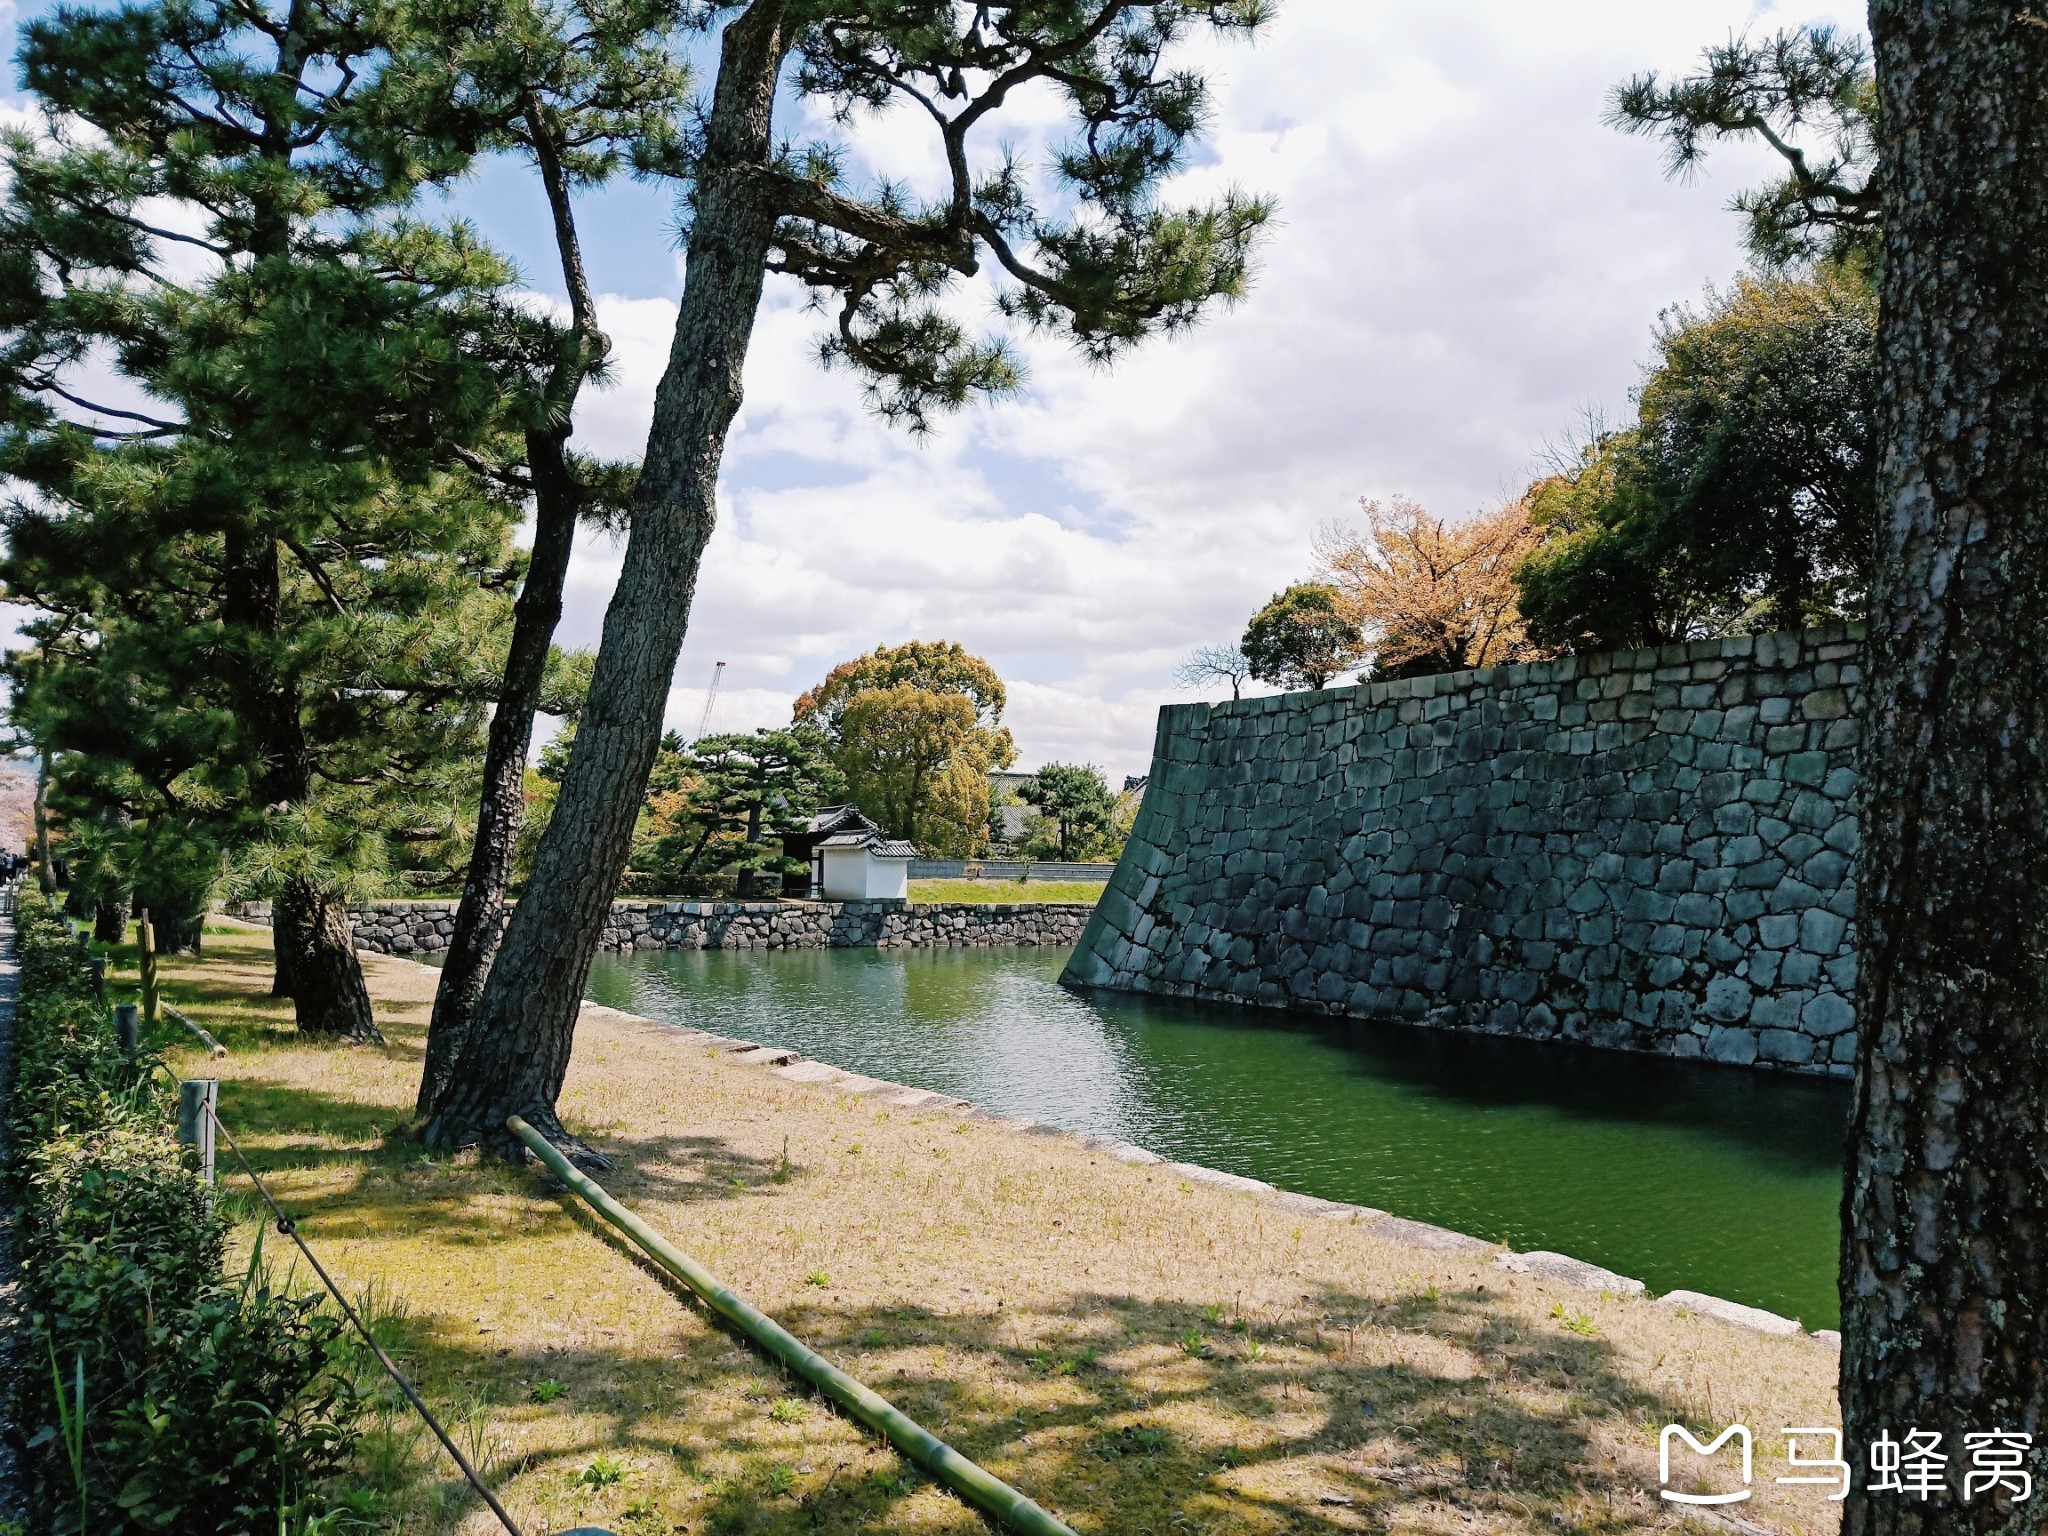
[1467,262]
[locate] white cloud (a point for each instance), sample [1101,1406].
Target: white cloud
[1466,258]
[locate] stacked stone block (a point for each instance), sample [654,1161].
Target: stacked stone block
[1649,850]
[423,927]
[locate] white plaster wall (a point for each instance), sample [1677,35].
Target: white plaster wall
[852,874]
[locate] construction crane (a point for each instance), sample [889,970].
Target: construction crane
[710,703]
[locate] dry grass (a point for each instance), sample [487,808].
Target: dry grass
[1089,891]
[1140,1354]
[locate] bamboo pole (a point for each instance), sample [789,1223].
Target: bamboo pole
[213,1047]
[979,1487]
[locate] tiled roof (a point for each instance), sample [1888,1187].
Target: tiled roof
[875,840]
[840,818]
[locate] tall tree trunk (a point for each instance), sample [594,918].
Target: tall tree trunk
[479,919]
[558,503]
[330,997]
[518,1047]
[46,875]
[180,929]
[326,979]
[1945,1210]
[291,934]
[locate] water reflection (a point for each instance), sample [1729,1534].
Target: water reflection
[1684,1175]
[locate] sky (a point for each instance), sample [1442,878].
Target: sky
[1467,263]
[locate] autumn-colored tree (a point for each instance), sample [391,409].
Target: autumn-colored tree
[915,730]
[1431,594]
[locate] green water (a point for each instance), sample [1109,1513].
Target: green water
[1705,1178]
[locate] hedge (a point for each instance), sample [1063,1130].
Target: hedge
[159,1393]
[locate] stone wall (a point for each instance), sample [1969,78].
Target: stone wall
[1648,850]
[422,927]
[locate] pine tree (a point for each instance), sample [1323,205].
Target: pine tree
[581,91]
[1074,804]
[275,538]
[727,802]
[1945,1215]
[1120,269]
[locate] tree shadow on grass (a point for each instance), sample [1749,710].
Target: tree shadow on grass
[380,1180]
[1131,1416]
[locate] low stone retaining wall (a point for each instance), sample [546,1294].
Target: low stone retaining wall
[423,927]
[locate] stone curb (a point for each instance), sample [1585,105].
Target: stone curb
[1754,1318]
[1569,1271]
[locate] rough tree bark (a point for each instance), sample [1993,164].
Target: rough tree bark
[318,960]
[1945,1210]
[290,932]
[518,1047]
[558,503]
[46,874]
[329,995]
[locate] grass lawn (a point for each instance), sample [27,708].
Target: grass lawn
[1139,1353]
[1089,891]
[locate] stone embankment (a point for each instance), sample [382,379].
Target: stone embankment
[1650,850]
[423,927]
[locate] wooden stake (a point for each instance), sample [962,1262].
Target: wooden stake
[146,940]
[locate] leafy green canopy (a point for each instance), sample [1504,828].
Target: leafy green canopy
[914,730]
[1745,495]
[1303,637]
[237,390]
[1075,806]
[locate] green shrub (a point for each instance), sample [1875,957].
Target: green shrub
[211,1405]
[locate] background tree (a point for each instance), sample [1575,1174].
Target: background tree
[914,731]
[1207,664]
[1743,497]
[1110,269]
[1431,595]
[1303,637]
[724,803]
[1811,97]
[1945,1216]
[1075,807]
